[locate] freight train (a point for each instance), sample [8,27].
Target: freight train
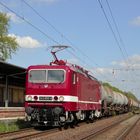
[60,93]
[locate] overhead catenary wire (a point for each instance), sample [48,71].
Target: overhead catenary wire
[38,29]
[118,32]
[117,29]
[113,33]
[44,19]
[116,26]
[35,11]
[61,34]
[119,35]
[115,37]
[42,32]
[28,22]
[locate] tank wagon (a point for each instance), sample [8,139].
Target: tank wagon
[60,93]
[133,105]
[113,102]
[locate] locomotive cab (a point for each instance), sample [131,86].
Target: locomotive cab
[48,95]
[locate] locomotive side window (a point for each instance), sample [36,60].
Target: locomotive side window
[37,76]
[55,76]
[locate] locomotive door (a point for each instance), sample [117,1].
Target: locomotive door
[76,87]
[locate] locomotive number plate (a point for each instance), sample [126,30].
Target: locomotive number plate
[42,98]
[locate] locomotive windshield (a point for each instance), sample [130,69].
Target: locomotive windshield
[46,76]
[55,76]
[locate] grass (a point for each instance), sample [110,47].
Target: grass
[13,126]
[4,127]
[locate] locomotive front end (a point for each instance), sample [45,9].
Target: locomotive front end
[47,95]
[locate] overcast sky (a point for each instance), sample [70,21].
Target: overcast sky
[82,25]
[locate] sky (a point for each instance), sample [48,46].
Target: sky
[82,25]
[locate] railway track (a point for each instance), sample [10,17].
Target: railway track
[120,136]
[37,135]
[127,131]
[27,133]
[14,132]
[99,127]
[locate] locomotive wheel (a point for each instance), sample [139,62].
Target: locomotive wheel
[72,125]
[66,126]
[87,121]
[60,128]
[91,120]
[76,123]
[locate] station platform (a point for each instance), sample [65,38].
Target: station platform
[12,113]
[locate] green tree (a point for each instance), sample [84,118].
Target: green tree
[8,44]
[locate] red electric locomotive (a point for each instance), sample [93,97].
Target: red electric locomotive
[61,93]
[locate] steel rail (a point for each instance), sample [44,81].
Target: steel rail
[4,134]
[127,131]
[36,135]
[95,133]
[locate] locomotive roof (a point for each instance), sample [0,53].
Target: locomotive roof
[82,71]
[45,66]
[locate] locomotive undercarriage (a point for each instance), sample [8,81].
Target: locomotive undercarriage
[56,116]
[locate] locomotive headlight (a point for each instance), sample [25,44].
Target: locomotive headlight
[29,98]
[61,98]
